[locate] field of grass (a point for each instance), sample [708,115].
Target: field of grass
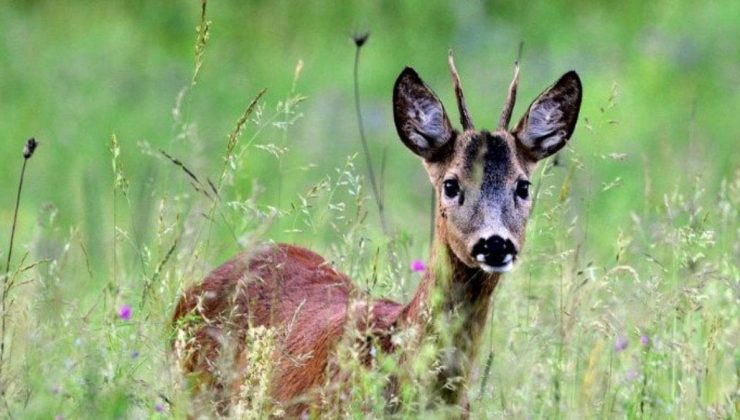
[625,303]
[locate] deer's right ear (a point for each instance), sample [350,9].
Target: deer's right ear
[420,118]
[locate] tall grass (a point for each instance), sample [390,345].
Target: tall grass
[642,323]
[8,281]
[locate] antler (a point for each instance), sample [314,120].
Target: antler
[503,122]
[465,120]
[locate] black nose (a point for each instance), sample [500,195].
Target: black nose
[494,251]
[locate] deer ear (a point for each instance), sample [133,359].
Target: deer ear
[420,118]
[551,119]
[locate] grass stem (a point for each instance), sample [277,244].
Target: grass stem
[359,42]
[28,150]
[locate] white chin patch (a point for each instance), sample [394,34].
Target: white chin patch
[497,269]
[508,263]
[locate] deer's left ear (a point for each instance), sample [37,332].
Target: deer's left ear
[551,119]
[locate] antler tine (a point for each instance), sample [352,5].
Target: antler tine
[503,122]
[465,120]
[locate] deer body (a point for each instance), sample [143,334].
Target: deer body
[481,182]
[278,286]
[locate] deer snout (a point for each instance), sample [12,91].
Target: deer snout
[495,254]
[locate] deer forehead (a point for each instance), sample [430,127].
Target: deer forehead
[484,161]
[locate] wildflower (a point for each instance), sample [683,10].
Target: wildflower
[134,354]
[644,340]
[124,312]
[56,389]
[159,407]
[30,148]
[360,38]
[621,343]
[632,374]
[418,266]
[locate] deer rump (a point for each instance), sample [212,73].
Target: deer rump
[304,304]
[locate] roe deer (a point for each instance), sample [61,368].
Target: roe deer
[481,180]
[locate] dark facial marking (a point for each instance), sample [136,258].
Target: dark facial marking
[497,163]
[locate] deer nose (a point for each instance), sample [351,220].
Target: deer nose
[495,252]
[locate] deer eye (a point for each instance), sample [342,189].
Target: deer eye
[451,188]
[522,189]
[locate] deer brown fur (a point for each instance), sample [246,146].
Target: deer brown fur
[481,181]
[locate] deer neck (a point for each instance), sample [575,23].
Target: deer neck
[451,305]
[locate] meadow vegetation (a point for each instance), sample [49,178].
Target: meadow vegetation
[161,155]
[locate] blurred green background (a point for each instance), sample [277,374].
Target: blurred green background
[73,73]
[658,121]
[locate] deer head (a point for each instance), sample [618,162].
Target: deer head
[482,178]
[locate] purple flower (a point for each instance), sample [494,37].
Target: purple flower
[621,343]
[159,407]
[644,340]
[56,389]
[134,354]
[631,375]
[124,312]
[418,266]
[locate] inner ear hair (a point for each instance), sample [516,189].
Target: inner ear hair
[420,117]
[551,119]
